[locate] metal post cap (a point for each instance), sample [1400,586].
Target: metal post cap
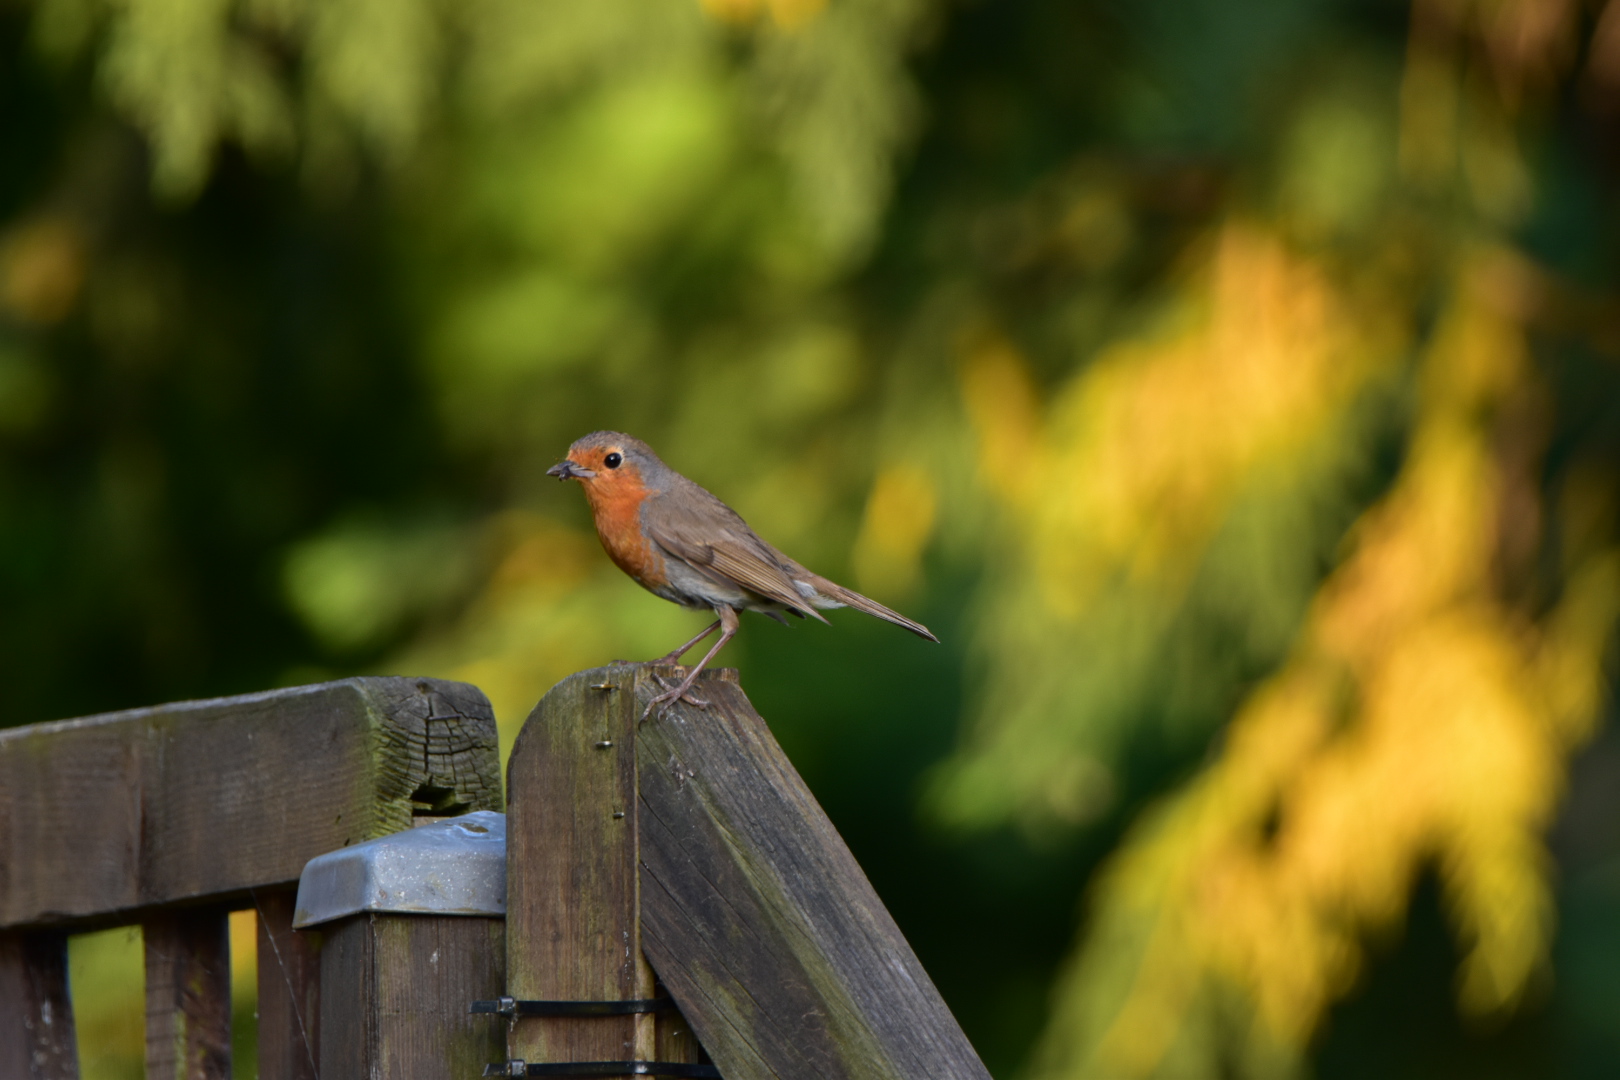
[451,867]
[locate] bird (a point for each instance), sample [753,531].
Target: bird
[681,543]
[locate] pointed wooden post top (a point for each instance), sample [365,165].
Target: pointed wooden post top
[688,849]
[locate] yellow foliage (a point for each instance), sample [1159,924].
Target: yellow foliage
[1005,411]
[106,973]
[899,519]
[1144,451]
[42,266]
[788,14]
[1420,721]
[1422,718]
[1117,490]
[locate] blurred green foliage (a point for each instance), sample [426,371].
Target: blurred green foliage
[1231,385]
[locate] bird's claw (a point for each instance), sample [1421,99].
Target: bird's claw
[683,691]
[680,693]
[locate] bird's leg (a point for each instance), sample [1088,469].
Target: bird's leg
[729,622]
[675,657]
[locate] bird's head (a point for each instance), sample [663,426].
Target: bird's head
[608,463]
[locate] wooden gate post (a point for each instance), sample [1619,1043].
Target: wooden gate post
[688,846]
[394,994]
[411,933]
[573,907]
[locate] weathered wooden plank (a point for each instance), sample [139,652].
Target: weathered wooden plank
[394,996]
[37,1040]
[348,998]
[573,931]
[674,1038]
[289,991]
[106,817]
[761,923]
[188,995]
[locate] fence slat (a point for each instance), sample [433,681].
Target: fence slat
[37,1040]
[188,995]
[395,991]
[105,819]
[762,924]
[572,924]
[289,992]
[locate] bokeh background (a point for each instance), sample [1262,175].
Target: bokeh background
[1234,386]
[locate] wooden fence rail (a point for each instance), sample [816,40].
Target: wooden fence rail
[172,816]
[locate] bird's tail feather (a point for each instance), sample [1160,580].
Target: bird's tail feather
[850,598]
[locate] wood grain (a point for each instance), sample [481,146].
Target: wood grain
[106,818]
[188,995]
[758,919]
[37,1039]
[289,991]
[573,886]
[572,932]
[394,996]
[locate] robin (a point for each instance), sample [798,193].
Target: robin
[683,544]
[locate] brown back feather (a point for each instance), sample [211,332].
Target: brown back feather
[690,523]
[700,530]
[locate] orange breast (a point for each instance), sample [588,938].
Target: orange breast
[618,522]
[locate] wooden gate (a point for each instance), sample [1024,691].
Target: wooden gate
[677,902]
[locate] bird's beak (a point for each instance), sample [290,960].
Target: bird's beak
[567,470]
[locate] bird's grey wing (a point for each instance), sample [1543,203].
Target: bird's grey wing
[707,535]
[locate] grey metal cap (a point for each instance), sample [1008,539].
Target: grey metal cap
[452,867]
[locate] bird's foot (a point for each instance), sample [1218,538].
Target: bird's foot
[682,692]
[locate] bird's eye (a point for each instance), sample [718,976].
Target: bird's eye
[613,460]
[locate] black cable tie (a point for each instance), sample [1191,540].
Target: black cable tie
[677,1069]
[509,1007]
